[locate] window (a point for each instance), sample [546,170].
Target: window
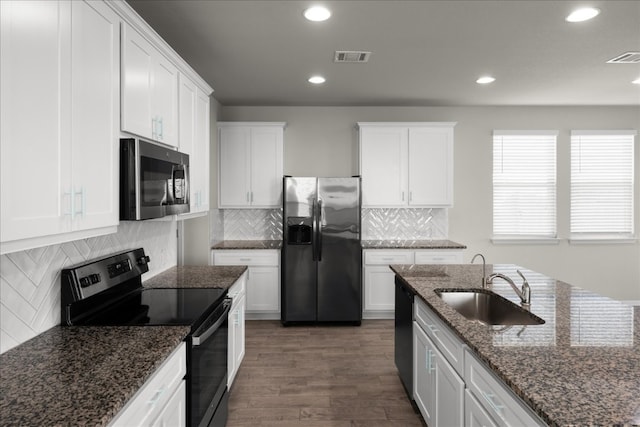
[602,184]
[524,185]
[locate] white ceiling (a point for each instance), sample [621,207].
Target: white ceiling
[425,53]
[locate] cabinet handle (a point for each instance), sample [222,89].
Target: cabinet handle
[403,196]
[410,196]
[161,135]
[247,196]
[83,201]
[430,356]
[432,328]
[252,197]
[495,406]
[156,396]
[387,259]
[245,259]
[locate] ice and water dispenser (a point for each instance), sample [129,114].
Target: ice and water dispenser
[299,230]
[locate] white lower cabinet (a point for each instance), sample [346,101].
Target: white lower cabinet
[438,387]
[474,414]
[237,293]
[263,279]
[500,403]
[451,387]
[379,293]
[161,401]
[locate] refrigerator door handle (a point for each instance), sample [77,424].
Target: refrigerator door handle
[320,221]
[314,231]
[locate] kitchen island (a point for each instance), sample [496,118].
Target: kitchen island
[581,367]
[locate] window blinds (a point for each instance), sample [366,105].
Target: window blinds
[602,184]
[524,184]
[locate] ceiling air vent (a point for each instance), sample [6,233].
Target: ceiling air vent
[626,58]
[351,56]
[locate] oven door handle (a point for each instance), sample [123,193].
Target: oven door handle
[199,339]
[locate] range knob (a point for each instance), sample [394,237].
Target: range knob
[143,260]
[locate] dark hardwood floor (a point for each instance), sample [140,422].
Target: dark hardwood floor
[319,376]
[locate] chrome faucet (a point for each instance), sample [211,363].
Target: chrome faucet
[524,294]
[484,269]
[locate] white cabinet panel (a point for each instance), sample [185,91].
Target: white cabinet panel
[431,166]
[438,389]
[59,171]
[149,90]
[379,293]
[250,164]
[474,413]
[383,164]
[95,108]
[236,328]
[505,408]
[406,164]
[36,165]
[263,278]
[194,141]
[174,413]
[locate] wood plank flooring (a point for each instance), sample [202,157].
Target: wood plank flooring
[317,376]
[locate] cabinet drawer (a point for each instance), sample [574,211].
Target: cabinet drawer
[149,401]
[503,406]
[440,257]
[252,257]
[377,257]
[449,345]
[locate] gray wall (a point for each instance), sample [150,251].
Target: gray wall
[322,141]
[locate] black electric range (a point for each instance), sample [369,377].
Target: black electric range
[109,292]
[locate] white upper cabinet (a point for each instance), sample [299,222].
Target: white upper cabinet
[250,164]
[406,164]
[194,141]
[59,128]
[149,90]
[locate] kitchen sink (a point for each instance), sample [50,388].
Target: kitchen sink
[487,307]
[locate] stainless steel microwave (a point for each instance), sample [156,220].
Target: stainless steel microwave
[154,180]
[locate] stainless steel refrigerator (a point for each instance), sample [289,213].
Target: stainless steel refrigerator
[321,252]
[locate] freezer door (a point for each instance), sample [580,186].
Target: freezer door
[339,252]
[298,281]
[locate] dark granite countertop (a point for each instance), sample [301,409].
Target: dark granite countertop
[582,367]
[80,375]
[196,276]
[411,244]
[248,244]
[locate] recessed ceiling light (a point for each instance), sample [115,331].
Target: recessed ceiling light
[316,80]
[485,80]
[636,81]
[317,13]
[583,14]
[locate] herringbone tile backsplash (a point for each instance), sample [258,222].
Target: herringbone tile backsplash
[404,224]
[30,280]
[377,224]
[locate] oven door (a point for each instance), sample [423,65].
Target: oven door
[208,370]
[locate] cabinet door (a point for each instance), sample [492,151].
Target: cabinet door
[95,98]
[200,159]
[431,167]
[474,413]
[266,166]
[35,143]
[187,116]
[238,344]
[424,375]
[164,100]
[234,174]
[383,166]
[231,341]
[137,71]
[448,392]
[174,413]
[379,291]
[263,289]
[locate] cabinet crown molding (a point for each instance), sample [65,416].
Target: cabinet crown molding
[243,124]
[407,124]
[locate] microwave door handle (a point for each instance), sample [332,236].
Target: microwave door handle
[200,339]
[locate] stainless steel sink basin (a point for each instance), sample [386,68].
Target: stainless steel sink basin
[487,307]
